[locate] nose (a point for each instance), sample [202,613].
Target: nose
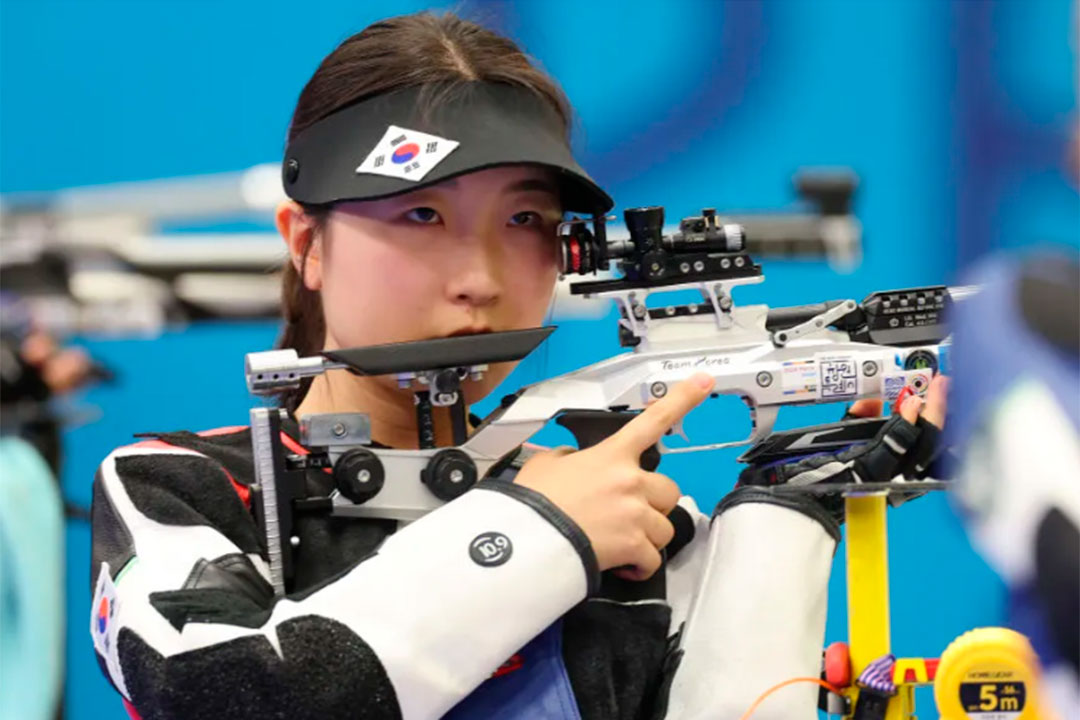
[475,278]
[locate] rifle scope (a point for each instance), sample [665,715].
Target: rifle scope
[648,253]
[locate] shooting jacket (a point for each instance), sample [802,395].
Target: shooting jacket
[488,607]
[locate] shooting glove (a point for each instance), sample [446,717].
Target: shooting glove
[899,449]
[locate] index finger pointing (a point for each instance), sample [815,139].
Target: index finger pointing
[642,432]
[936,401]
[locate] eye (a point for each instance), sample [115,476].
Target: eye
[526,218]
[423,215]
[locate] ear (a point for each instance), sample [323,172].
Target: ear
[297,228]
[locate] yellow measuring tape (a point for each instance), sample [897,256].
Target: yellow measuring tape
[989,674]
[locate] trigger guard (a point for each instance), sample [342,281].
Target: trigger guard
[764,420]
[665,450]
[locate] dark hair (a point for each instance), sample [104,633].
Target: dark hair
[443,51]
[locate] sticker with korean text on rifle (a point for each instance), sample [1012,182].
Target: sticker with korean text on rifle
[838,377]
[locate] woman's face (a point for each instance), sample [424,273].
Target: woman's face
[472,254]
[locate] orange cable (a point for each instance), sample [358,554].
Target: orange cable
[792,681]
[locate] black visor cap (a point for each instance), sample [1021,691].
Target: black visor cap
[494,124]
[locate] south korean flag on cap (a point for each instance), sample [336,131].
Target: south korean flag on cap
[406,154]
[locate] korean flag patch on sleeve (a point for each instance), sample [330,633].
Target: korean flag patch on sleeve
[104,627]
[406,154]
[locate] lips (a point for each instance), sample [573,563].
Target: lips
[474,330]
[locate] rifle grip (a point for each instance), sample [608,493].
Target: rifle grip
[590,427]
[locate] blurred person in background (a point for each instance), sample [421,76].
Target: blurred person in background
[1016,425]
[33,370]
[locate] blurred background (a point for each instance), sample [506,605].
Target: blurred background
[958,119]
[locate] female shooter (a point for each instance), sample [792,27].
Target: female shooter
[428,166]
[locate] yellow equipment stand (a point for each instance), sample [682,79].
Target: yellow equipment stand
[985,673]
[868,594]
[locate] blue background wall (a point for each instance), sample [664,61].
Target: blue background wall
[956,117]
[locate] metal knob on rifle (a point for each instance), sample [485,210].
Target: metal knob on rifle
[449,473]
[446,382]
[359,475]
